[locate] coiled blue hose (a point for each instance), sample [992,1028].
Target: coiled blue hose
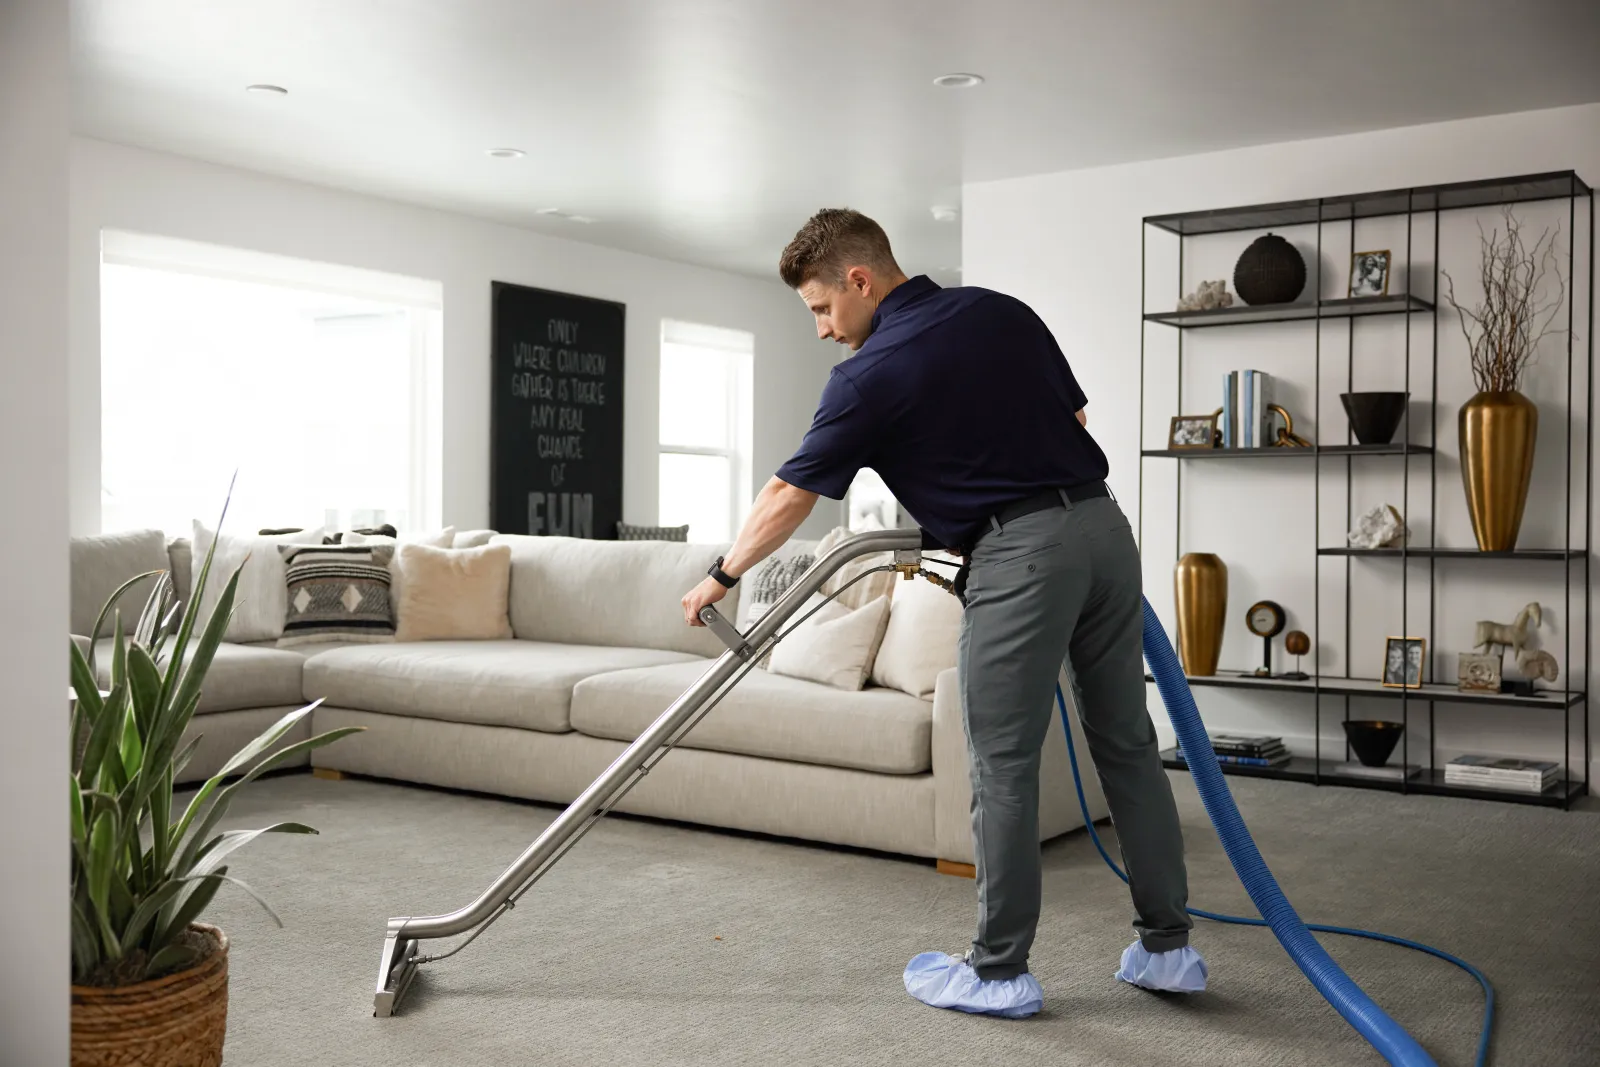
[1359,1010]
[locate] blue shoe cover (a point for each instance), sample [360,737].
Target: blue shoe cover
[945,981]
[1180,970]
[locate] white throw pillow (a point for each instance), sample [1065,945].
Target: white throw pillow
[835,646]
[262,600]
[920,640]
[460,594]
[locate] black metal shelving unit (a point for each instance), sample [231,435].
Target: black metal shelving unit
[1433,201]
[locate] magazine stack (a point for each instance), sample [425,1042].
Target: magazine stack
[1502,772]
[1247,750]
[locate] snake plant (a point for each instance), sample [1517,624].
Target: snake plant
[144,865]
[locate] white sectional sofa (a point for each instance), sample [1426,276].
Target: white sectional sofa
[599,650]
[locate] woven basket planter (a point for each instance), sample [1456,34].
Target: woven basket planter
[180,1020]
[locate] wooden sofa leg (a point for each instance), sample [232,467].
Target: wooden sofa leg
[959,870]
[327,774]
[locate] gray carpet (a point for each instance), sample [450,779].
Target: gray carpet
[614,959]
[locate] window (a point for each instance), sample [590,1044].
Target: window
[312,382]
[705,429]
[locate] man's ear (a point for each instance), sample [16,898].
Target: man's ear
[859,279]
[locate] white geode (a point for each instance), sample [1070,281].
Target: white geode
[1209,295]
[1382,527]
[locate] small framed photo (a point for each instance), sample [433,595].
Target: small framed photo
[1192,431]
[1402,662]
[1369,274]
[1477,672]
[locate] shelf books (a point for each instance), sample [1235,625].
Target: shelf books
[1502,772]
[1248,750]
[1246,395]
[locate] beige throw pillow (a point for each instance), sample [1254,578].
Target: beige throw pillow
[920,640]
[836,646]
[453,594]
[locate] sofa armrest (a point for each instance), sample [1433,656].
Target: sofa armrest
[952,781]
[952,775]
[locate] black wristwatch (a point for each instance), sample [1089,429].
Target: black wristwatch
[720,575]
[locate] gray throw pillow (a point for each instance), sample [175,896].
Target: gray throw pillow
[629,532]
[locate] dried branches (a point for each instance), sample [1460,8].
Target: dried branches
[1504,328]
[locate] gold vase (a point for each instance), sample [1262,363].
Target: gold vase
[1201,582]
[1497,433]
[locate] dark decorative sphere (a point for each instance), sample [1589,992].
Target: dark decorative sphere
[1296,643]
[1271,271]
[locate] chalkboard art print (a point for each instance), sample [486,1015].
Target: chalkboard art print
[555,433]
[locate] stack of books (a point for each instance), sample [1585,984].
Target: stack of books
[1502,772]
[1246,395]
[1248,750]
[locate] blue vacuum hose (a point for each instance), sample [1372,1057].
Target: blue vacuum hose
[1359,1010]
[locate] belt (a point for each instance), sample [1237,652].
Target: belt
[1048,498]
[1040,501]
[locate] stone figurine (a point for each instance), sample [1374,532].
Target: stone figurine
[1513,635]
[1382,527]
[1209,295]
[1536,664]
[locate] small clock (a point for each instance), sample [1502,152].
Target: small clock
[1266,620]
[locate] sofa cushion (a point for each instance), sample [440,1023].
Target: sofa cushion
[100,564]
[767,715]
[626,593]
[241,676]
[527,684]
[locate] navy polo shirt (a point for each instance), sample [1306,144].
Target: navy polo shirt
[961,401]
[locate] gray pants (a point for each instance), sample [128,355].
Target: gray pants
[1062,584]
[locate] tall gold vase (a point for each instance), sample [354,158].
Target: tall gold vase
[1497,433]
[1201,582]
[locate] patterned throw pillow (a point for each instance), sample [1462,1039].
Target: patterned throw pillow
[770,582]
[629,532]
[337,593]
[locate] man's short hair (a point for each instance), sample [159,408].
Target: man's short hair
[830,243]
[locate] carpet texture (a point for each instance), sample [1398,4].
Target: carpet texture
[614,957]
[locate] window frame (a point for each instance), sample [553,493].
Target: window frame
[737,348]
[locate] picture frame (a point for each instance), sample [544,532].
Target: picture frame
[1403,661]
[1478,672]
[1369,274]
[1192,432]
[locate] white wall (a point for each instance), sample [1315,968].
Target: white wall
[116,187]
[34,124]
[1069,244]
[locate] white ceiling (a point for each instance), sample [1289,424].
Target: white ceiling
[708,130]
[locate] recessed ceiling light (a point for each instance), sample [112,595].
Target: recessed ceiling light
[958,81]
[507,153]
[268,90]
[944,214]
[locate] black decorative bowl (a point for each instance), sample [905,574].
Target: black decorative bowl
[1374,417]
[1271,271]
[1373,739]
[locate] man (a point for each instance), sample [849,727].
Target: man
[963,404]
